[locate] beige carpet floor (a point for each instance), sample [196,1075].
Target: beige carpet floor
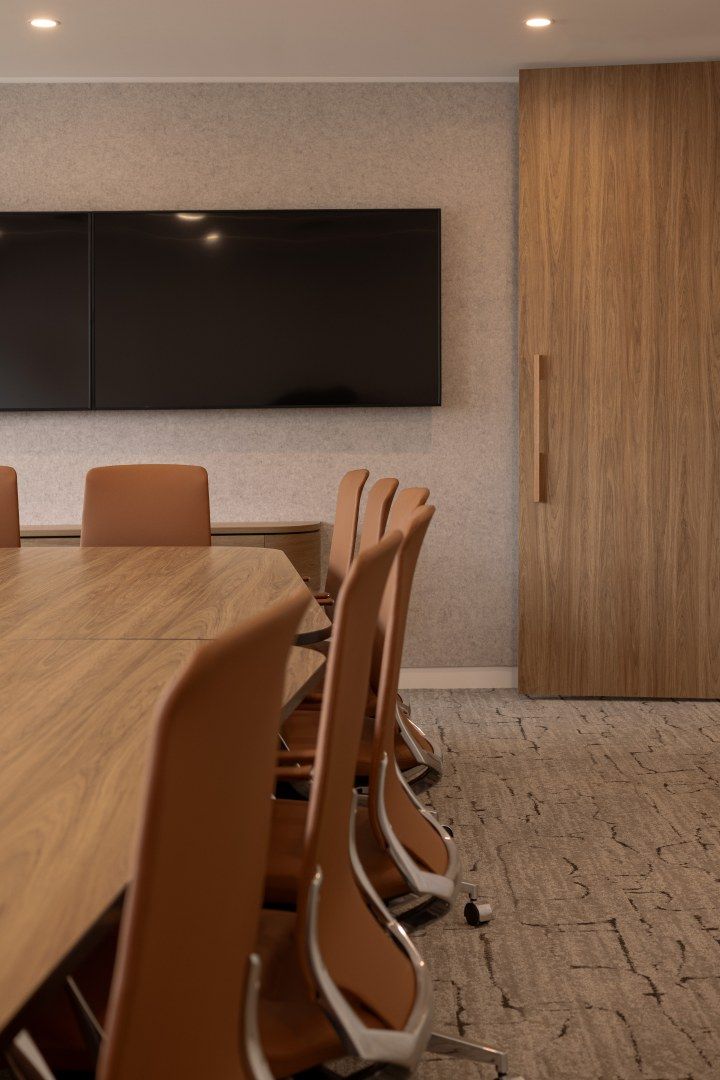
[593,827]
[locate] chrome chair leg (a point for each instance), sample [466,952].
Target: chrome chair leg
[92,1032]
[25,1060]
[452,1047]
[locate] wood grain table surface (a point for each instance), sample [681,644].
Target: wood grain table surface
[184,593]
[88,640]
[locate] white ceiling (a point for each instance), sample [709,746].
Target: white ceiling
[331,39]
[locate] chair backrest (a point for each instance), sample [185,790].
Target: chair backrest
[362,960]
[342,545]
[404,816]
[405,506]
[192,914]
[146,506]
[377,508]
[407,502]
[9,515]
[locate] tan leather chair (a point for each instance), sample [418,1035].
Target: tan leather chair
[409,836]
[342,545]
[284,945]
[403,847]
[416,754]
[184,992]
[9,515]
[405,505]
[377,508]
[146,506]
[364,971]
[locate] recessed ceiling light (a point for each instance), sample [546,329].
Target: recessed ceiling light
[191,217]
[212,237]
[538,21]
[44,23]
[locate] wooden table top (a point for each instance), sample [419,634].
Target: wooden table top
[183,593]
[79,683]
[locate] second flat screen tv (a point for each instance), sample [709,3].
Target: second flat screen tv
[266,309]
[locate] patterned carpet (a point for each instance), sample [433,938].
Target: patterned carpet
[594,828]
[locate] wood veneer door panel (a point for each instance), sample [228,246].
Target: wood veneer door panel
[620,290]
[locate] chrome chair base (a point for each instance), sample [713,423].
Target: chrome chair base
[448,1046]
[421,778]
[420,913]
[26,1062]
[430,908]
[429,766]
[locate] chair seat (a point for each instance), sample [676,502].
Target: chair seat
[294,1031]
[301,728]
[286,846]
[300,732]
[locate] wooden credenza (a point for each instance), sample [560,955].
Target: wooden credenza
[300,540]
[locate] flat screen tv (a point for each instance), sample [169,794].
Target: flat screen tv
[210,309]
[263,309]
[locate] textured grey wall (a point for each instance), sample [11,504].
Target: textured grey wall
[169,146]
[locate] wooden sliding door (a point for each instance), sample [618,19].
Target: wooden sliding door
[620,381]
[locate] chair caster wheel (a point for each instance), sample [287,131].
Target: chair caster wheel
[448,830]
[477,914]
[472,914]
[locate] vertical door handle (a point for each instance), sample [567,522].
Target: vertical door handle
[539,428]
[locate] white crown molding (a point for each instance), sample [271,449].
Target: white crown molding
[471,678]
[6,79]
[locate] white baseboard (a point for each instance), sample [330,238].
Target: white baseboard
[459,678]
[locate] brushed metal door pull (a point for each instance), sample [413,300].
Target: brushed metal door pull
[539,428]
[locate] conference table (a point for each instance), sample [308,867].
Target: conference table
[88,639]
